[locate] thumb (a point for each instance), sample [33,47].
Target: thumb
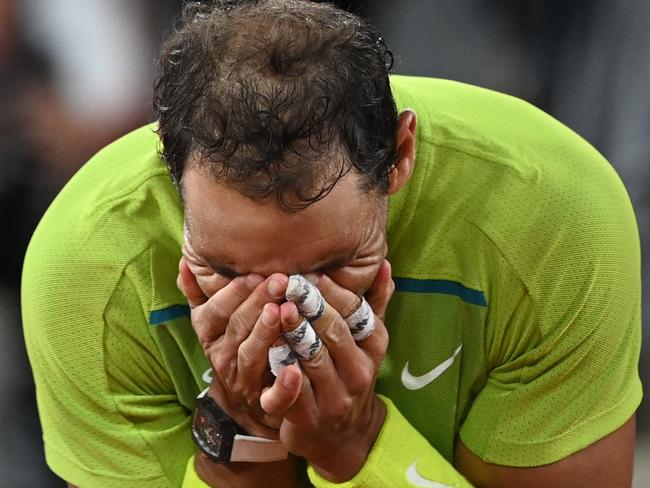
[382,288]
[188,285]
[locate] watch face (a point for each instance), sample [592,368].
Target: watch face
[206,433]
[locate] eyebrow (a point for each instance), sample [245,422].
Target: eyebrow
[328,265]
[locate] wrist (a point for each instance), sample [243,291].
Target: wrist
[252,422]
[222,440]
[246,474]
[348,460]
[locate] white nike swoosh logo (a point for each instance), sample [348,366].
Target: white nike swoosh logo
[207,376]
[411,382]
[415,479]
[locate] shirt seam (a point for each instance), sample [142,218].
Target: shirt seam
[116,407]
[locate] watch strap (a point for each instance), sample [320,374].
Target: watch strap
[257,449]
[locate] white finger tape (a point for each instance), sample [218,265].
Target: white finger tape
[362,321]
[306,296]
[304,341]
[280,357]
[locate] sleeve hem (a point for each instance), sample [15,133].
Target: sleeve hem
[560,447]
[72,472]
[192,479]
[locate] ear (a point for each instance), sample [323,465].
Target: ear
[401,171]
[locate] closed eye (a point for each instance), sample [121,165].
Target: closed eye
[225,271]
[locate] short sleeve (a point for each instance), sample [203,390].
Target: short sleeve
[109,411]
[563,355]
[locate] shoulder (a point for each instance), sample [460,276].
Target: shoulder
[119,212]
[118,202]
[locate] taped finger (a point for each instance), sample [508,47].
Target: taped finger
[281,356]
[303,340]
[306,296]
[362,321]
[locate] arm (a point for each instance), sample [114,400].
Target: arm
[236,322]
[245,475]
[398,448]
[606,463]
[402,453]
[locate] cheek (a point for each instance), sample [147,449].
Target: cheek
[356,279]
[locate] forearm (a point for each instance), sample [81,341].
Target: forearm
[282,473]
[347,462]
[400,453]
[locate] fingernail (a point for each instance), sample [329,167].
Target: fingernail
[276,288]
[253,280]
[291,378]
[313,278]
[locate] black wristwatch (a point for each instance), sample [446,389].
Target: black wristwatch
[224,441]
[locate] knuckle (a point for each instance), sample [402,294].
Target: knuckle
[320,359]
[249,396]
[216,310]
[224,367]
[239,288]
[350,306]
[210,285]
[339,408]
[382,336]
[361,380]
[383,341]
[305,385]
[264,334]
[206,334]
[246,360]
[333,330]
[345,404]
[238,327]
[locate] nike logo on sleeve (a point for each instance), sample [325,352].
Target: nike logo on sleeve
[411,382]
[416,479]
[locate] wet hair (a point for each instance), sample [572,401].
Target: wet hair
[276,98]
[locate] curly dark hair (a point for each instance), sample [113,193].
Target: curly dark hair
[277,98]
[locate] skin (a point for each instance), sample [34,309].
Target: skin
[235,277]
[326,411]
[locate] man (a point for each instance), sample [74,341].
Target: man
[513,323]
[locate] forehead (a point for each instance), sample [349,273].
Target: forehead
[229,229]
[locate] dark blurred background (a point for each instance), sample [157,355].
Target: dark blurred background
[76,74]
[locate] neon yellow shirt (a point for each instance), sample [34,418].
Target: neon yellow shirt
[515,323]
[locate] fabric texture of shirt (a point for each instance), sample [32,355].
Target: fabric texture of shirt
[515,322]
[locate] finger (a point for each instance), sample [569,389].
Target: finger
[280,356]
[242,319]
[381,290]
[364,323]
[188,285]
[303,340]
[277,399]
[361,322]
[355,364]
[252,355]
[354,309]
[210,321]
[320,369]
[306,296]
[208,280]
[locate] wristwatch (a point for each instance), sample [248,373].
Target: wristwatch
[224,441]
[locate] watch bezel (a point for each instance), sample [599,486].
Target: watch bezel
[223,426]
